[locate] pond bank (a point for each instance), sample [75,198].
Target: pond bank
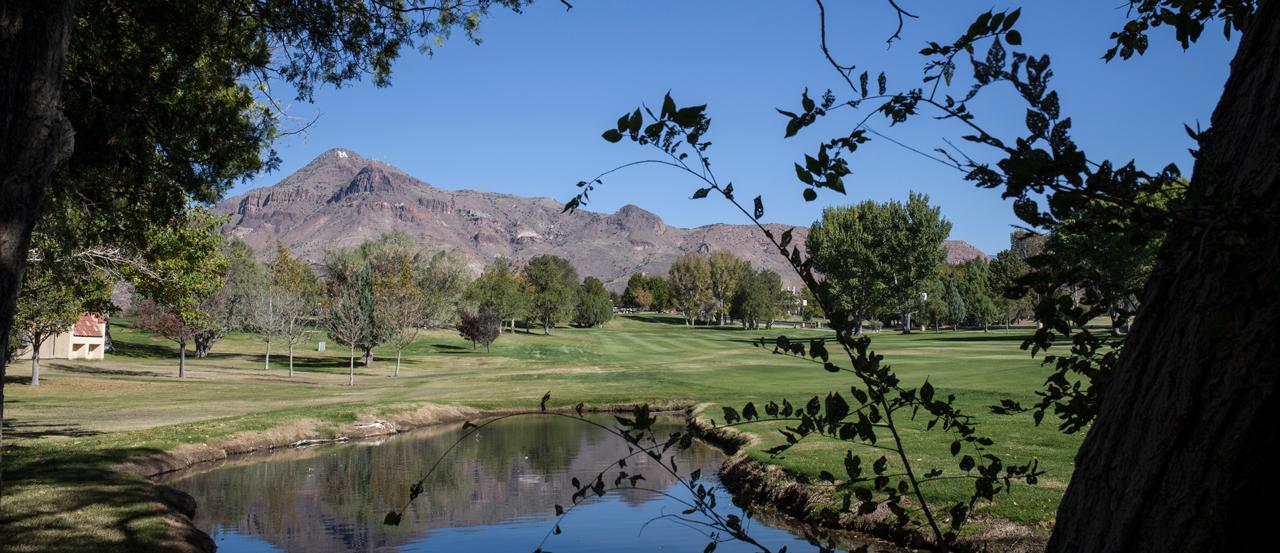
[772,489]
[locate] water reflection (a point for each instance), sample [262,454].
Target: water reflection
[495,492]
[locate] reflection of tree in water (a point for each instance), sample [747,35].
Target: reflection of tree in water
[333,498]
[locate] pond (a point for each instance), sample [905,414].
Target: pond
[496,491]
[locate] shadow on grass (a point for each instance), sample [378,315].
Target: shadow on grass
[448,347]
[15,379]
[103,371]
[680,322]
[44,492]
[145,351]
[993,336]
[28,430]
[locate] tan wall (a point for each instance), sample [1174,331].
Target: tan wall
[66,346]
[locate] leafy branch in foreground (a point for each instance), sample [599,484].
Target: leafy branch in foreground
[678,133]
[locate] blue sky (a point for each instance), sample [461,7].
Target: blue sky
[522,113]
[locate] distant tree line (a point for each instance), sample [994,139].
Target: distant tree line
[713,289]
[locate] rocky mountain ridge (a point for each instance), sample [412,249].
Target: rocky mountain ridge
[341,199]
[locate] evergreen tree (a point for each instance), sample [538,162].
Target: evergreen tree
[594,307]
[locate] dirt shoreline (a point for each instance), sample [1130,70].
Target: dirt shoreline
[768,487]
[178,507]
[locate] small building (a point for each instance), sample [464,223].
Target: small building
[86,339]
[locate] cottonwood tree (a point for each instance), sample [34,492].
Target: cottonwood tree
[727,272]
[299,291]
[913,252]
[845,246]
[1012,303]
[690,285]
[345,319]
[594,307]
[554,282]
[400,301]
[500,290]
[232,307]
[407,289]
[759,298]
[357,269]
[642,298]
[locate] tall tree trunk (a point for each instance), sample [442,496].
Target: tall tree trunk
[906,323]
[266,360]
[182,359]
[367,358]
[351,379]
[35,363]
[291,359]
[397,363]
[1180,457]
[108,345]
[34,136]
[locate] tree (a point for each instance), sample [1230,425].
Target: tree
[727,272]
[411,293]
[635,283]
[758,298]
[847,246]
[810,307]
[47,307]
[643,298]
[232,307]
[594,307]
[690,285]
[299,293]
[482,327]
[953,299]
[554,282]
[188,264]
[1011,302]
[346,317]
[443,279]
[500,291]
[357,270]
[1199,358]
[399,301]
[657,285]
[913,252]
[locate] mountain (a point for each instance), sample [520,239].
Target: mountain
[341,199]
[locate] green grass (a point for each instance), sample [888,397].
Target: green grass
[61,436]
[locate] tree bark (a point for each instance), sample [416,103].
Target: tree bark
[35,363]
[906,323]
[182,359]
[397,363]
[1179,458]
[351,379]
[266,360]
[291,359]
[34,134]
